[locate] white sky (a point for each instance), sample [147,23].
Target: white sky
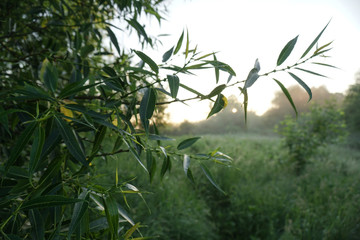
[243,30]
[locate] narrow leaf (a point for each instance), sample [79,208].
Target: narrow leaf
[131,231]
[187,143]
[71,141]
[308,90]
[179,43]
[192,90]
[314,42]
[216,91]
[257,65]
[78,212]
[325,65]
[210,177]
[165,166]
[113,39]
[285,52]
[173,84]
[148,60]
[167,55]
[187,44]
[246,99]
[37,224]
[36,149]
[322,47]
[147,107]
[222,66]
[287,94]
[217,72]
[20,144]
[112,216]
[48,201]
[311,72]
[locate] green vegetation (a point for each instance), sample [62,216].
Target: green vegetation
[264,198]
[310,131]
[72,97]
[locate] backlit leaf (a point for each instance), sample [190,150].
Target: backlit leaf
[131,231]
[148,60]
[216,91]
[311,72]
[192,90]
[217,72]
[314,42]
[187,44]
[179,43]
[285,52]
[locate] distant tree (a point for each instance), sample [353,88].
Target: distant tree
[352,113]
[281,106]
[303,136]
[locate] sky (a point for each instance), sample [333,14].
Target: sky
[242,31]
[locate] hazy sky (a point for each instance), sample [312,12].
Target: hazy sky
[243,30]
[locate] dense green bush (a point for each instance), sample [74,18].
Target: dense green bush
[303,136]
[352,114]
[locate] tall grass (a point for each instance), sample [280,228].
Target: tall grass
[264,200]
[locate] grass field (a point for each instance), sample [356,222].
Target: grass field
[264,198]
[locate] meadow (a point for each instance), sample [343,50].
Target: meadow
[264,198]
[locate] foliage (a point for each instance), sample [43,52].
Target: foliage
[314,129]
[264,200]
[67,84]
[352,114]
[281,107]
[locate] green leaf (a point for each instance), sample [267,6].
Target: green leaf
[210,177]
[20,144]
[311,72]
[148,60]
[78,212]
[216,91]
[217,71]
[140,29]
[219,104]
[246,100]
[173,84]
[165,166]
[285,52]
[112,216]
[147,107]
[187,143]
[251,78]
[308,90]
[113,39]
[37,224]
[77,40]
[71,140]
[322,47]
[99,137]
[179,43]
[186,164]
[49,75]
[192,90]
[287,94]
[36,149]
[86,50]
[167,55]
[222,66]
[257,65]
[314,42]
[151,164]
[74,88]
[131,231]
[48,201]
[187,44]
[325,65]
[137,157]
